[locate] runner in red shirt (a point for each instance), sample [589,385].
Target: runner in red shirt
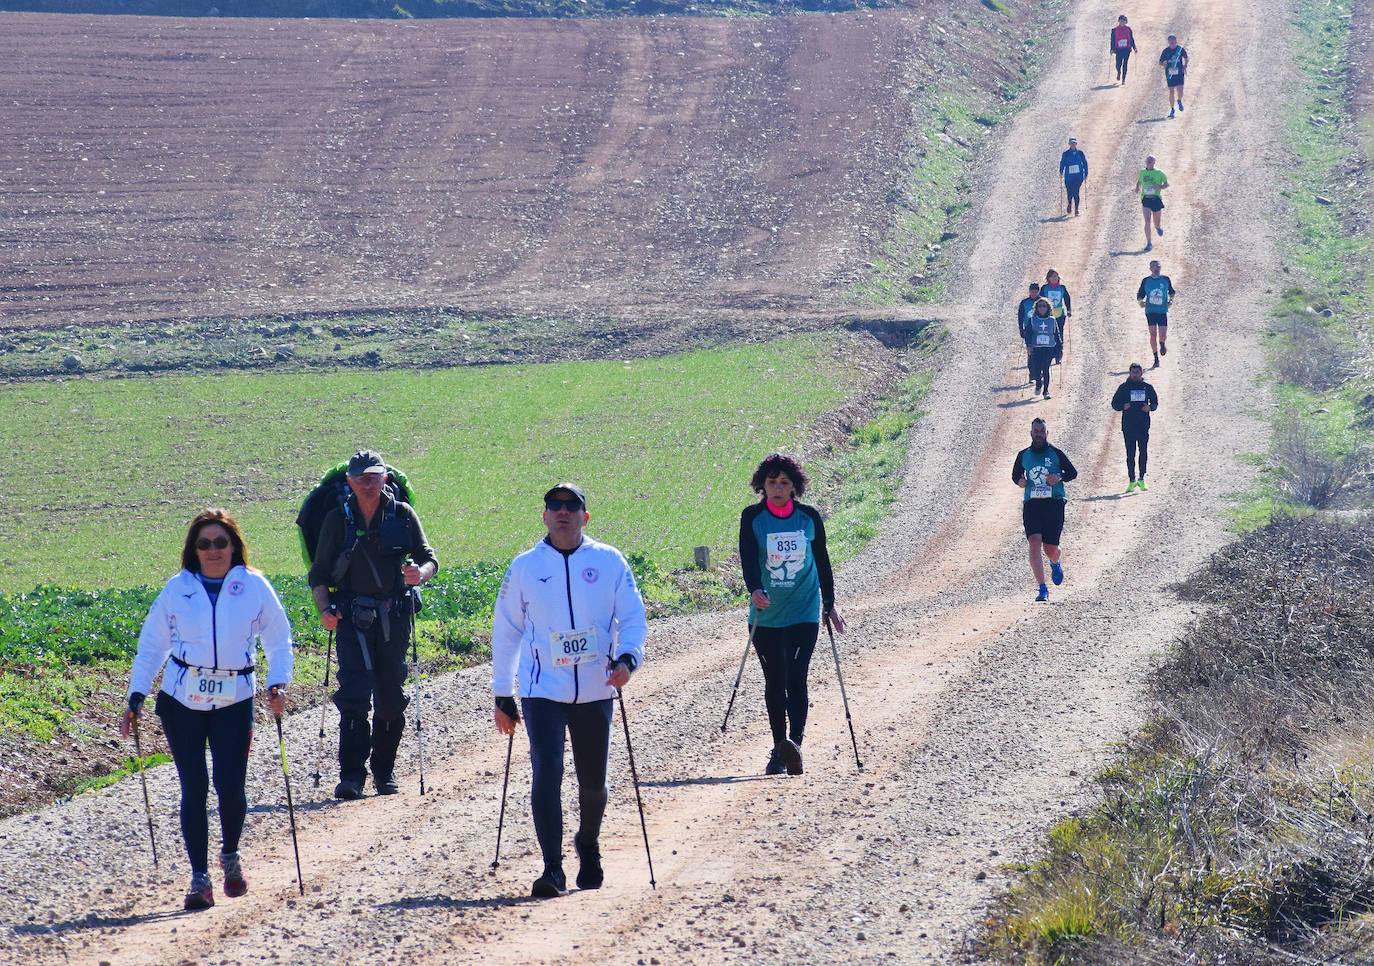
[1122,43]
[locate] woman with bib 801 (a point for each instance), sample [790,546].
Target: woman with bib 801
[787,570]
[208,621]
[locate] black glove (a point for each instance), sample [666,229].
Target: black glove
[136,703]
[507,706]
[627,661]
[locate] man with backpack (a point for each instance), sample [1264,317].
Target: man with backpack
[371,553]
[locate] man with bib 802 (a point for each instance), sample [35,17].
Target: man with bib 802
[208,622]
[568,632]
[1041,470]
[791,586]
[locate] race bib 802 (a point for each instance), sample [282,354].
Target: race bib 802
[574,647]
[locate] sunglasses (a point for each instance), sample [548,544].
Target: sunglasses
[205,543]
[572,506]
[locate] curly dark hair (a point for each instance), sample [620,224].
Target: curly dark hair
[215,514]
[778,463]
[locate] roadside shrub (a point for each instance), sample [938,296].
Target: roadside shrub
[1313,358]
[1314,470]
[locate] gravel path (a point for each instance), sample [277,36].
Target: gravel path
[978,714]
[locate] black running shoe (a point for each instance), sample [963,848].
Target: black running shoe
[386,786]
[202,894]
[790,755]
[1163,349]
[590,875]
[348,790]
[775,765]
[550,885]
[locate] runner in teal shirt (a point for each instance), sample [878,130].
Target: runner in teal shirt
[791,587]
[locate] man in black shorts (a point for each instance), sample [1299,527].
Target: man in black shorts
[1135,399]
[1174,60]
[1155,295]
[1041,470]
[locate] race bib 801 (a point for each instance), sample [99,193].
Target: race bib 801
[208,689]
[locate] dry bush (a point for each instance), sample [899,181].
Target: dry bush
[1312,470]
[1313,358]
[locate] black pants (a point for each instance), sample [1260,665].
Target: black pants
[1136,438]
[1040,366]
[1121,57]
[785,656]
[1071,187]
[380,690]
[229,733]
[589,725]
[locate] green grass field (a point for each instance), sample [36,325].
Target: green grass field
[101,477]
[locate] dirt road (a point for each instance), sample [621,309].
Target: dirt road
[979,714]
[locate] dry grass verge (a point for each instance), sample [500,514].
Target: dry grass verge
[1238,825]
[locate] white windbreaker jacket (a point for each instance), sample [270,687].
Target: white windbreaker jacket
[182,623]
[561,619]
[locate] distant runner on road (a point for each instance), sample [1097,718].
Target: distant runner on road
[1122,43]
[1062,306]
[1149,184]
[1042,336]
[1023,313]
[1073,168]
[1135,399]
[1155,295]
[1041,470]
[1174,60]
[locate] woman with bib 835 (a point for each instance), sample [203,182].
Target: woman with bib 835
[787,571]
[208,621]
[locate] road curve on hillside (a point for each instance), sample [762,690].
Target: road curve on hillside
[979,715]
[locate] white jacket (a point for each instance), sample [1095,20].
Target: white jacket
[546,593]
[182,623]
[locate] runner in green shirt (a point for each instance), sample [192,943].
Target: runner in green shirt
[1149,185]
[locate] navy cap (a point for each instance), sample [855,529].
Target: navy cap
[572,488]
[364,462]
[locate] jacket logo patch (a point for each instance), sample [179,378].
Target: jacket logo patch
[235,588]
[590,575]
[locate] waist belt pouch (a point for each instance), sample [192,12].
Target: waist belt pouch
[365,612]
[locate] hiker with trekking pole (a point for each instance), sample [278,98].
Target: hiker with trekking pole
[791,587]
[568,632]
[370,559]
[202,633]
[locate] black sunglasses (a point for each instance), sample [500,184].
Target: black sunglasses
[205,543]
[572,506]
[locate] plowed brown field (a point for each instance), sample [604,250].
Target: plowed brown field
[154,168]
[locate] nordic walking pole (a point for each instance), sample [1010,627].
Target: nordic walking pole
[738,677]
[319,742]
[635,775]
[415,656]
[147,808]
[290,806]
[844,697]
[501,822]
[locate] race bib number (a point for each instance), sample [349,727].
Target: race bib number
[1151,190]
[1123,43]
[1173,69]
[574,647]
[1041,491]
[786,548]
[1155,298]
[1044,339]
[1073,169]
[208,689]
[1137,395]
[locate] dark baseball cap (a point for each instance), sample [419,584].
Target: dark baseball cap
[364,462]
[572,488]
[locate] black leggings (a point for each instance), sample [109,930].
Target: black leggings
[1040,365]
[1121,57]
[1071,190]
[589,726]
[1134,438]
[785,656]
[229,732]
